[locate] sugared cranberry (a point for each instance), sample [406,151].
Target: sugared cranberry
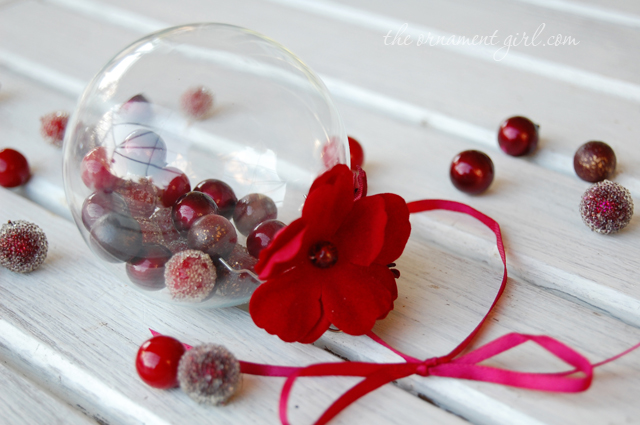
[221,193]
[214,235]
[190,276]
[100,203]
[357,153]
[14,168]
[191,207]
[157,361]
[137,109]
[151,233]
[147,269]
[119,236]
[53,126]
[162,217]
[197,102]
[236,285]
[594,162]
[252,210]
[23,246]
[172,183]
[323,255]
[96,172]
[518,136]
[141,153]
[471,172]
[261,236]
[141,196]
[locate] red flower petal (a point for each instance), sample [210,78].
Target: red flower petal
[361,236]
[290,306]
[283,252]
[357,296]
[330,177]
[398,229]
[328,204]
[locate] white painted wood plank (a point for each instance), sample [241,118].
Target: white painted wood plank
[22,402]
[74,330]
[589,11]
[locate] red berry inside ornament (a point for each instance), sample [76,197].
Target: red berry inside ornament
[147,269]
[141,196]
[197,102]
[95,170]
[157,361]
[471,172]
[172,183]
[221,193]
[357,153]
[23,246]
[252,210]
[116,237]
[518,136]
[14,168]
[594,162]
[190,207]
[53,126]
[606,207]
[214,235]
[100,203]
[262,235]
[190,276]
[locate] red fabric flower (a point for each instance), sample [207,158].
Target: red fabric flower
[331,265]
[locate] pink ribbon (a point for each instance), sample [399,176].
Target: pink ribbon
[451,365]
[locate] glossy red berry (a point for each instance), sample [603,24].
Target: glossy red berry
[252,210]
[53,126]
[594,162]
[116,237]
[14,168]
[147,269]
[214,235]
[191,207]
[157,361]
[221,193]
[262,235]
[95,170]
[471,172]
[518,136]
[197,102]
[100,203]
[172,183]
[357,153]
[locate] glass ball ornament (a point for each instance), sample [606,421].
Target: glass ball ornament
[179,107]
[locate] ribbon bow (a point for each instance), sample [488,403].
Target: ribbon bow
[452,365]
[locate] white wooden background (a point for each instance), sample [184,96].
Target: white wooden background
[69,332]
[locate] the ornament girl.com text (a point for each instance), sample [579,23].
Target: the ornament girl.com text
[405,36]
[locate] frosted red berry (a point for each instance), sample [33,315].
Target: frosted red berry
[357,153]
[197,102]
[23,246]
[236,285]
[214,235]
[53,127]
[141,196]
[95,170]
[518,136]
[471,172]
[157,361]
[222,194]
[172,183]
[162,218]
[594,162]
[146,270]
[606,207]
[190,276]
[209,374]
[14,168]
[191,207]
[252,210]
[262,235]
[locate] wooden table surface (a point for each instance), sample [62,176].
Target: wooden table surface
[69,331]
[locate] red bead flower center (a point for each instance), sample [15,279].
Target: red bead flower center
[323,255]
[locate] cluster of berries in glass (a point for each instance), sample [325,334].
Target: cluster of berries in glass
[171,236]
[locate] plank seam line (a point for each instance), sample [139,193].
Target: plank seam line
[35,353]
[598,13]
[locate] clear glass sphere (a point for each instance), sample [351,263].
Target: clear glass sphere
[176,108]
